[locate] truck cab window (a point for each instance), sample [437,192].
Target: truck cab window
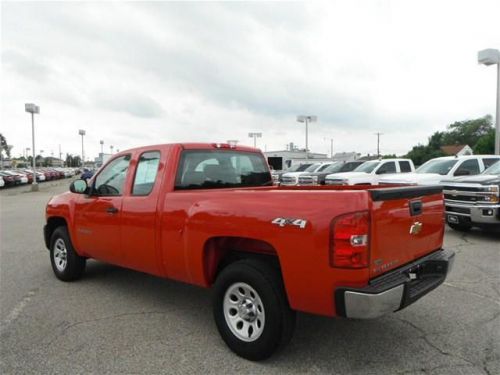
[145,175]
[221,169]
[468,167]
[110,181]
[389,167]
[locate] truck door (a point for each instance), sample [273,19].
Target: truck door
[139,215]
[98,215]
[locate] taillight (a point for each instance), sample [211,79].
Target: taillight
[349,245]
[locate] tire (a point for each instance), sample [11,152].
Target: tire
[251,310]
[460,227]
[66,263]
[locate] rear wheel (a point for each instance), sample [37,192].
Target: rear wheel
[251,309]
[460,227]
[66,263]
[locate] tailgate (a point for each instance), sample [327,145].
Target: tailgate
[406,223]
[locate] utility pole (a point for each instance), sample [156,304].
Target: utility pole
[378,144]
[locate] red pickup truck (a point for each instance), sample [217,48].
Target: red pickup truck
[208,214]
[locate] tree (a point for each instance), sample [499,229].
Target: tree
[4,147]
[485,144]
[468,132]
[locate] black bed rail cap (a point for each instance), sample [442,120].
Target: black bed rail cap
[386,194]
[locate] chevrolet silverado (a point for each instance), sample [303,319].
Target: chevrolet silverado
[209,215]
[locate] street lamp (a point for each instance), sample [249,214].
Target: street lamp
[307,120]
[32,108]
[255,136]
[111,148]
[82,133]
[490,57]
[102,146]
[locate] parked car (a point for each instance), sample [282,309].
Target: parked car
[276,175]
[434,171]
[318,178]
[473,200]
[18,178]
[40,177]
[369,172]
[8,179]
[2,182]
[209,215]
[86,174]
[292,178]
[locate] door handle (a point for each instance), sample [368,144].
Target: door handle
[111,210]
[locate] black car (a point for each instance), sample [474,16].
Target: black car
[318,178]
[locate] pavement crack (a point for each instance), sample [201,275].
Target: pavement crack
[492,299]
[18,309]
[424,337]
[115,316]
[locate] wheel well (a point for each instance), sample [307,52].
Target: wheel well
[52,224]
[219,252]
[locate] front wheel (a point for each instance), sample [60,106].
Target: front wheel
[251,310]
[66,263]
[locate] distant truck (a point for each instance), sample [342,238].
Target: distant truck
[370,172]
[473,200]
[209,215]
[434,171]
[318,178]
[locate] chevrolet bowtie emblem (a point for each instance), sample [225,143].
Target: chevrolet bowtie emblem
[416,228]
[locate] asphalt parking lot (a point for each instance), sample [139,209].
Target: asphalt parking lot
[119,321]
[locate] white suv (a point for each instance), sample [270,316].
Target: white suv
[436,170]
[369,172]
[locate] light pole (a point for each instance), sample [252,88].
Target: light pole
[255,136]
[378,144]
[32,108]
[331,146]
[490,57]
[307,120]
[82,133]
[111,148]
[102,146]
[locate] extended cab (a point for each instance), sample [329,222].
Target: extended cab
[434,171]
[370,172]
[473,200]
[208,214]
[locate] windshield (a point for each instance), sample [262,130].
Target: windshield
[494,169]
[332,168]
[298,168]
[441,167]
[323,167]
[367,167]
[313,167]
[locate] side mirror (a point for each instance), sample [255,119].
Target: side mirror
[78,186]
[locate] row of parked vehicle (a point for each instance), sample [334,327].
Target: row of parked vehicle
[471,184]
[19,176]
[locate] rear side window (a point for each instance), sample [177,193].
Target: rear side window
[145,175]
[110,181]
[389,167]
[405,166]
[204,169]
[488,162]
[468,167]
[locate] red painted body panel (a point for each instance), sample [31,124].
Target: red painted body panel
[171,233]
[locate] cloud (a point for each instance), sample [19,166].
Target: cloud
[135,104]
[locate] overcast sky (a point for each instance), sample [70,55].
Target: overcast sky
[143,73]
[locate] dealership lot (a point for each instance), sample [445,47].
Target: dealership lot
[119,321]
